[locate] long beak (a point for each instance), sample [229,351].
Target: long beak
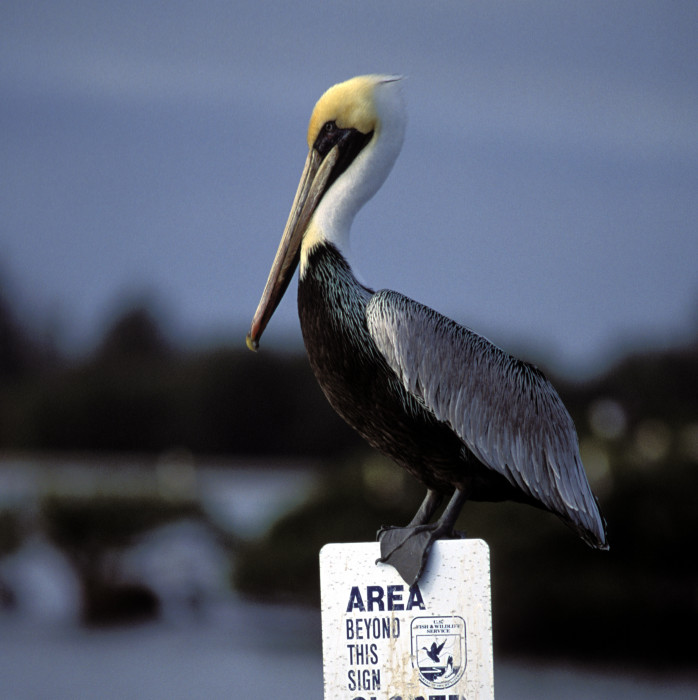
[313,182]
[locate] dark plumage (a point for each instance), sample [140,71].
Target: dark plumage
[455,411]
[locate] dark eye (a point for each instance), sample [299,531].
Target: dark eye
[327,138]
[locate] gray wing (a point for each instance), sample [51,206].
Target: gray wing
[504,410]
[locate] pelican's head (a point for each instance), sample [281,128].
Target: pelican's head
[354,136]
[359,103]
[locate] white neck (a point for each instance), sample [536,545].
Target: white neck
[362,179]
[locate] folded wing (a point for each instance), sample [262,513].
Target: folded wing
[504,410]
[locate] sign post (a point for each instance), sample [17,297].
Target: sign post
[384,640]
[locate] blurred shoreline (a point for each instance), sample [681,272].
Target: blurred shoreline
[167,620]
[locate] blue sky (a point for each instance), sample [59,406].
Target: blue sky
[546,195]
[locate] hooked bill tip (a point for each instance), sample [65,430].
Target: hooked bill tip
[252,344]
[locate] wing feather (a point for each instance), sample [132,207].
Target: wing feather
[504,410]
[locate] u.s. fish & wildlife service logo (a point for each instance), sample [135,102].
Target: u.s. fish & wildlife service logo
[439,649]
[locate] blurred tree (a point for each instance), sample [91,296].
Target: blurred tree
[134,336]
[16,350]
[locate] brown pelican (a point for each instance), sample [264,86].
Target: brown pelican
[466,418]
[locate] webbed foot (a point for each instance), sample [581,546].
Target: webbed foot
[407,549]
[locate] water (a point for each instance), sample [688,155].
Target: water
[238,656]
[248,651]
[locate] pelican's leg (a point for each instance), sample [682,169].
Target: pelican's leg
[407,548]
[429,505]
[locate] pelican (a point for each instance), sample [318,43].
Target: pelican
[466,418]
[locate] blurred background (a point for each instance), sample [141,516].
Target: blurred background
[164,493]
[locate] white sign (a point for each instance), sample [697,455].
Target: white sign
[382,640]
